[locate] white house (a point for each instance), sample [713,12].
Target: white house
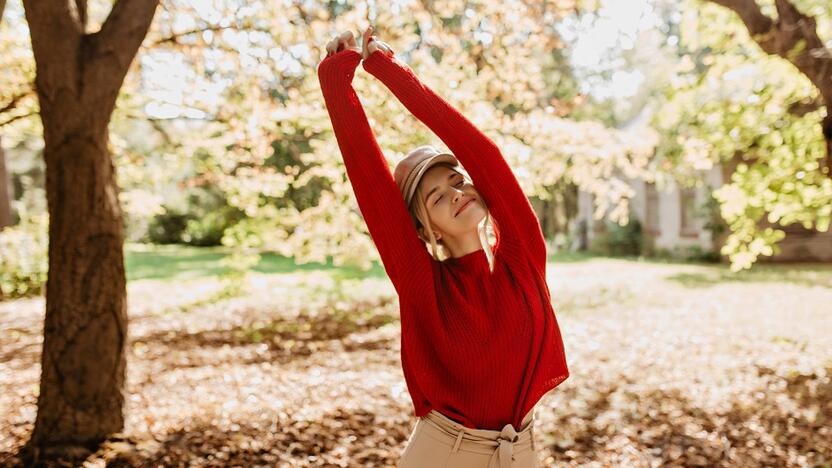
[673,218]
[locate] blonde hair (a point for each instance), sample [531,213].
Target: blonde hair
[437,248]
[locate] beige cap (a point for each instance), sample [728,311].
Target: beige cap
[410,170]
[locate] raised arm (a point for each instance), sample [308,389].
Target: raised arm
[519,232]
[403,254]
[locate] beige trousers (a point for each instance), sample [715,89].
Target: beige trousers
[440,442]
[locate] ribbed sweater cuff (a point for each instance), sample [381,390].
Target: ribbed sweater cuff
[339,67]
[379,64]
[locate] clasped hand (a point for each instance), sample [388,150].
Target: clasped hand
[369,44]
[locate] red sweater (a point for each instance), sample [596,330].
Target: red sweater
[480,347]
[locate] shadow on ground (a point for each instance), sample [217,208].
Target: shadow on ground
[336,327]
[357,435]
[785,425]
[788,423]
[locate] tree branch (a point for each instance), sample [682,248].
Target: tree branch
[15,100]
[124,29]
[174,38]
[750,13]
[81,9]
[804,106]
[55,34]
[111,50]
[126,17]
[17,117]
[794,37]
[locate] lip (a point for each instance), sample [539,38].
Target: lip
[470,200]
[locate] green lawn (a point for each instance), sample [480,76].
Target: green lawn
[148,261]
[168,262]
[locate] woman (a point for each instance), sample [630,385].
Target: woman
[480,341]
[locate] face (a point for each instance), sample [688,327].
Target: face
[453,204]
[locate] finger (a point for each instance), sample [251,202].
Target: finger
[385,47]
[348,39]
[366,37]
[333,45]
[374,46]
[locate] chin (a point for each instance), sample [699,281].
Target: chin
[473,214]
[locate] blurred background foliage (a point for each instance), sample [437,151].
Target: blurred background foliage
[220,136]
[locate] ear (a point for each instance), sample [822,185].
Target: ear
[425,236]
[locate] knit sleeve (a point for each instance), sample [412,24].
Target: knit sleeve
[403,254]
[518,228]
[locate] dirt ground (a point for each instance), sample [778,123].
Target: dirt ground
[671,365]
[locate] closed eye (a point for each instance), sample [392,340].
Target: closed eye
[455,185]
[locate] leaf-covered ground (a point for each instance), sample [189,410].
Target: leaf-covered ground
[671,365]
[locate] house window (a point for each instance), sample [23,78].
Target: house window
[687,211]
[651,209]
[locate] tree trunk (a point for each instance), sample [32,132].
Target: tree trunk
[5,196]
[827,135]
[83,361]
[5,185]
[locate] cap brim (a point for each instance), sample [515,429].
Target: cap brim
[416,175]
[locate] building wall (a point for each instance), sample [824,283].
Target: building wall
[802,244]
[659,209]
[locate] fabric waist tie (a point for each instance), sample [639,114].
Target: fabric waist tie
[500,444]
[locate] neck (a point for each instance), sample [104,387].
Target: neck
[463,246]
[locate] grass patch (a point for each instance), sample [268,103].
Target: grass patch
[180,262]
[803,274]
[570,257]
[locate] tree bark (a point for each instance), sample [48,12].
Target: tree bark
[794,37]
[83,361]
[5,196]
[5,186]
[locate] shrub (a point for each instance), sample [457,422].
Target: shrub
[200,218]
[696,253]
[168,227]
[620,240]
[24,257]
